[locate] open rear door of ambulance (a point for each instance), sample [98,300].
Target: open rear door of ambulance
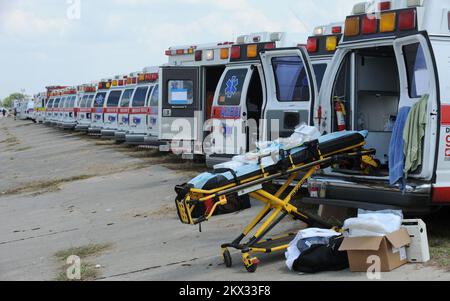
[291,91]
[418,78]
[181,100]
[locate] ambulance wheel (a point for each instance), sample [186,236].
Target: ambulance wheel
[227,259]
[252,269]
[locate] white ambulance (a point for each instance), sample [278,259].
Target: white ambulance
[123,116]
[188,83]
[144,108]
[70,110]
[100,99]
[266,90]
[49,109]
[111,111]
[55,109]
[394,54]
[61,108]
[86,95]
[39,104]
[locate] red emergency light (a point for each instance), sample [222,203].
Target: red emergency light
[369,24]
[269,46]
[336,29]
[198,55]
[312,45]
[385,5]
[407,19]
[235,52]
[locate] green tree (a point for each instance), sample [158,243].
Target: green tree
[9,101]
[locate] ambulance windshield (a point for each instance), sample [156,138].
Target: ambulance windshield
[139,97]
[99,100]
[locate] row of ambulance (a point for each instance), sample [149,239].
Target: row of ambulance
[218,100]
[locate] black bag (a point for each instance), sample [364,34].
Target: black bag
[321,258]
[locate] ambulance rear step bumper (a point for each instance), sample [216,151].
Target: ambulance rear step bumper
[94,131]
[120,136]
[82,128]
[68,125]
[108,134]
[373,195]
[135,139]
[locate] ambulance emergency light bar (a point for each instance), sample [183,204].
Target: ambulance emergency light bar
[119,81]
[325,39]
[213,51]
[105,84]
[385,21]
[248,47]
[182,50]
[149,74]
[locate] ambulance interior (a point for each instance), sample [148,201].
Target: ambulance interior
[212,77]
[376,97]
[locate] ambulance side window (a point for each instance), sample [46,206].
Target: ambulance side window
[181,92]
[126,97]
[139,97]
[417,70]
[155,97]
[114,98]
[99,100]
[231,89]
[291,79]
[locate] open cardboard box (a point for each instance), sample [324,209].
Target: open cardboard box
[391,249]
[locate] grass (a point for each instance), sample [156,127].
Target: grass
[88,271]
[52,185]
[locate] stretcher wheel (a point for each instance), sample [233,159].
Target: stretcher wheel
[252,269]
[227,259]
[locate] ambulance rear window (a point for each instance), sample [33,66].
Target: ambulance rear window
[181,92]
[139,97]
[319,72]
[291,79]
[417,70]
[113,99]
[155,97]
[50,103]
[99,100]
[232,85]
[56,103]
[63,102]
[126,97]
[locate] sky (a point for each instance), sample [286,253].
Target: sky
[71,42]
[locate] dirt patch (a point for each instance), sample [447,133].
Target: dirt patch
[88,271]
[438,226]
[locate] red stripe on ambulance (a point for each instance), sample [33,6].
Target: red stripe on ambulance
[445,114]
[441,195]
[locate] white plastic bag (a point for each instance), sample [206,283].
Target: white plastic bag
[374,223]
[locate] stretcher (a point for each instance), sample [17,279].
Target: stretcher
[198,200]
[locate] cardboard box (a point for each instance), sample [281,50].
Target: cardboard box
[391,249]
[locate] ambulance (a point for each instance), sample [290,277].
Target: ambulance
[49,109]
[55,109]
[394,56]
[143,121]
[100,99]
[86,94]
[111,110]
[39,104]
[123,116]
[70,110]
[61,107]
[266,90]
[188,83]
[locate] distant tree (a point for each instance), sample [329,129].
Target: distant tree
[9,101]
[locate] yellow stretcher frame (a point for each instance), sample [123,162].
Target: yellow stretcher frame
[275,209]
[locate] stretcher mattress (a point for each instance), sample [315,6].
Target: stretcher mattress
[328,145]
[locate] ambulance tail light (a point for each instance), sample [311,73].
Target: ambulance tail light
[369,24]
[235,52]
[216,113]
[312,45]
[351,26]
[198,55]
[407,20]
[441,195]
[385,5]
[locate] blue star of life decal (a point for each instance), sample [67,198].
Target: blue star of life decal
[232,85]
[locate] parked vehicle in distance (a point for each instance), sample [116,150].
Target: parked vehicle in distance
[123,116]
[100,99]
[110,115]
[86,94]
[70,110]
